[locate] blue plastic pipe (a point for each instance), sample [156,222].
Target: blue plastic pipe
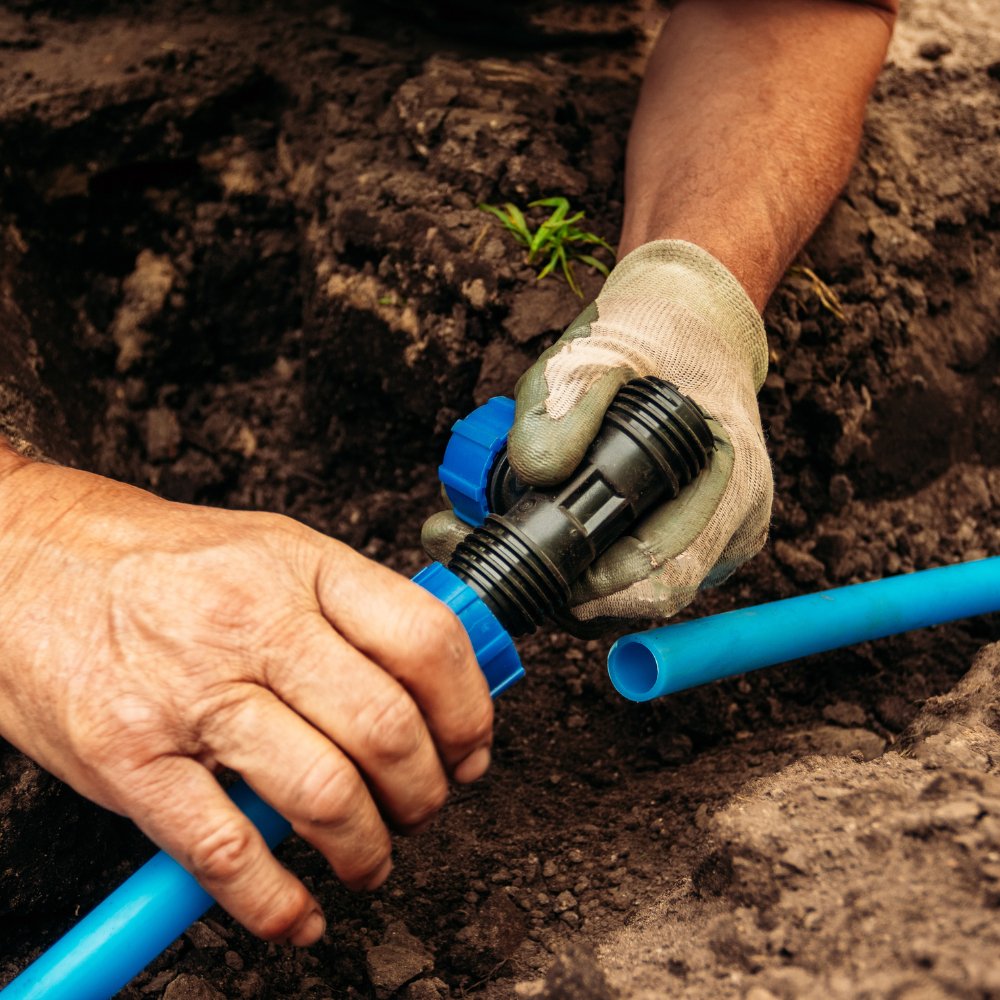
[122,935]
[151,909]
[651,664]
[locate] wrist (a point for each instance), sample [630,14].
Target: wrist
[667,286]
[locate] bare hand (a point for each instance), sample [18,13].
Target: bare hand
[146,644]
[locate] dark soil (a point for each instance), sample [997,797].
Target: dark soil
[242,265]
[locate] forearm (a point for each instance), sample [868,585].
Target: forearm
[747,126]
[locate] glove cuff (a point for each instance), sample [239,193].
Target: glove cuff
[693,279]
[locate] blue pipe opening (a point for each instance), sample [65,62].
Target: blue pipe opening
[665,660]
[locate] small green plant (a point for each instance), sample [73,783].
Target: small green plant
[828,298]
[558,240]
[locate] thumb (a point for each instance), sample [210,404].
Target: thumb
[560,404]
[441,534]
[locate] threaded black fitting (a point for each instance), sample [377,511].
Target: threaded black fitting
[524,559]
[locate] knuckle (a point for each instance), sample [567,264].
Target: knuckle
[396,730]
[224,854]
[219,712]
[477,726]
[429,805]
[436,799]
[438,632]
[359,866]
[331,792]
[229,605]
[121,734]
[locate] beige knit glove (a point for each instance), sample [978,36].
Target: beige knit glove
[669,309]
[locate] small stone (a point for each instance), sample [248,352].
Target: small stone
[284,369]
[620,899]
[426,989]
[202,936]
[145,292]
[533,989]
[564,901]
[804,567]
[246,441]
[475,292]
[159,981]
[234,961]
[570,917]
[550,869]
[188,987]
[575,856]
[398,959]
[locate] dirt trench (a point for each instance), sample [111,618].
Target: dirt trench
[242,264]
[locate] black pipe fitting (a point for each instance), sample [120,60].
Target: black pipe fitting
[525,557]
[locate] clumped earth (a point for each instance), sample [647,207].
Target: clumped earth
[242,264]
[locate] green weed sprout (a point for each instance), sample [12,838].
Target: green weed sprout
[558,241]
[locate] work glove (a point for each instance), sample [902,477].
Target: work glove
[672,310]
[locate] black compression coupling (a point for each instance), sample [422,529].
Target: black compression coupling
[525,557]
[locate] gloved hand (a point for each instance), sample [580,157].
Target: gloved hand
[669,309]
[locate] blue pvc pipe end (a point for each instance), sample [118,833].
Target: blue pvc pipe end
[652,664]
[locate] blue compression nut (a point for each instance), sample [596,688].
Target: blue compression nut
[492,644]
[475,443]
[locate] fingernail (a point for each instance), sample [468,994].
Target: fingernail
[474,766]
[310,931]
[380,876]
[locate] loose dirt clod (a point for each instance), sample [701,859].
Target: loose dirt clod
[399,958]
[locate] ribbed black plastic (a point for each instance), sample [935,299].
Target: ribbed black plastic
[523,561]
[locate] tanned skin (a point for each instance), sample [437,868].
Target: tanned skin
[747,126]
[145,643]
